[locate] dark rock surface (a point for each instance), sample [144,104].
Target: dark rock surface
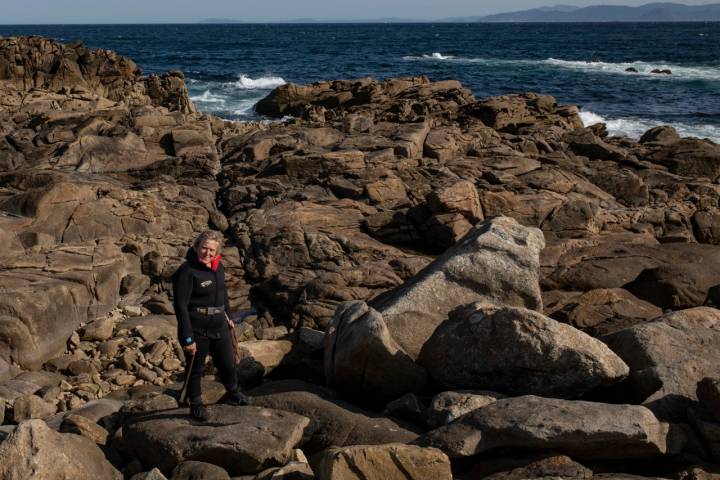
[242,440]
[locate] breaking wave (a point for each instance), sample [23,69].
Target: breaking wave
[635,127]
[432,56]
[262,83]
[682,72]
[643,69]
[231,99]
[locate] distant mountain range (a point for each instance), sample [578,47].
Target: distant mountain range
[652,12]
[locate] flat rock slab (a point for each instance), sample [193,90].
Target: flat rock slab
[516,351]
[668,357]
[242,440]
[34,450]
[387,462]
[583,430]
[332,422]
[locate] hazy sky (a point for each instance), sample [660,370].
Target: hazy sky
[152,11]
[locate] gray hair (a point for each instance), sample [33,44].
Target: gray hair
[211,235]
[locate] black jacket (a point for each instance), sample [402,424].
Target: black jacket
[195,285]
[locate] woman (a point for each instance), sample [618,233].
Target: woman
[200,300]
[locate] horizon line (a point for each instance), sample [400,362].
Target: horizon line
[341,22]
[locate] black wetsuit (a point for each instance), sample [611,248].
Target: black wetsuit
[197,286]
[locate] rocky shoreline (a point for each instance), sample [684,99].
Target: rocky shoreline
[446,287]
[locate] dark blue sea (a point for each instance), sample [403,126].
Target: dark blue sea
[230,67]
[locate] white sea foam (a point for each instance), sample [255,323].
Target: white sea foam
[208,97]
[261,83]
[244,108]
[635,127]
[643,69]
[432,56]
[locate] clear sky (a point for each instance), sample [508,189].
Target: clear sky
[180,11]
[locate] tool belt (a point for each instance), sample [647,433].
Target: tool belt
[209,310]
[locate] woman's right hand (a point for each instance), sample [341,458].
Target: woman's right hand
[191,349]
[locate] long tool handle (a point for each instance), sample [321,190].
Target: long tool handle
[233,339]
[184,391]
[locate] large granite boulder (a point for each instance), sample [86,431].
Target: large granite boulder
[584,430]
[364,361]
[34,450]
[497,262]
[371,349]
[516,351]
[390,462]
[668,357]
[242,440]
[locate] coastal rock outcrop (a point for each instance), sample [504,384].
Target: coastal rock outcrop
[385,210]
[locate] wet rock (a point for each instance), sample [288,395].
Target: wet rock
[391,461]
[242,440]
[33,450]
[579,429]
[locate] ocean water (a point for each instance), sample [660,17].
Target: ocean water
[228,68]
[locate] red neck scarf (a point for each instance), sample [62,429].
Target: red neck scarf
[215,263]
